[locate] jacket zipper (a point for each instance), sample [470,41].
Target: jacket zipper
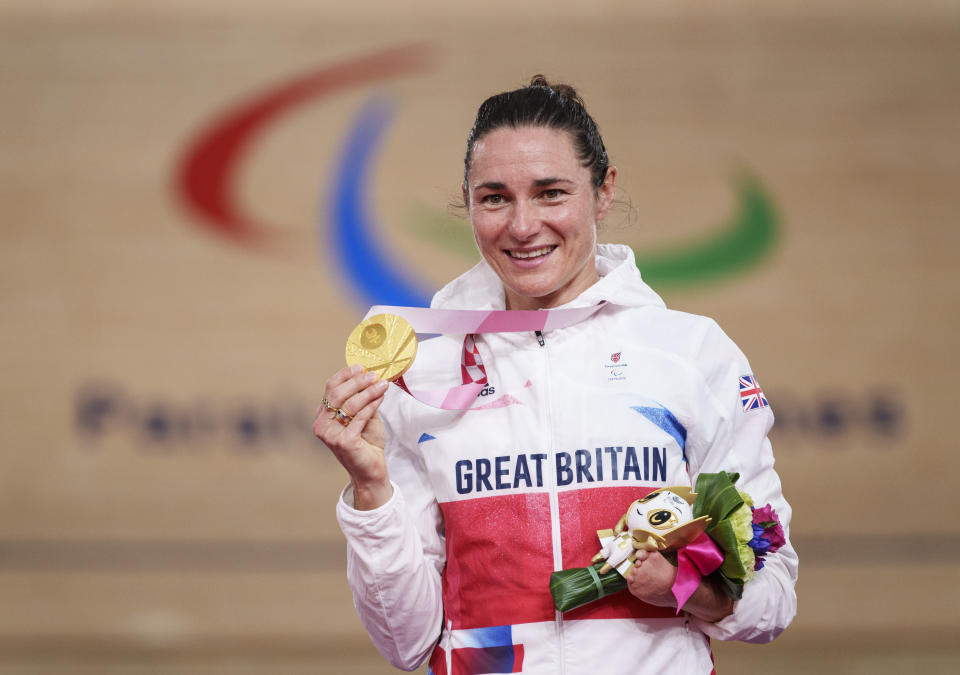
[554,497]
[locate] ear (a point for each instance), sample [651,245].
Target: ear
[606,194]
[466,194]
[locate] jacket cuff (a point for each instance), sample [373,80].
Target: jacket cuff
[353,518]
[754,618]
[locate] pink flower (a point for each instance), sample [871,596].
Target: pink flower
[767,518]
[765,514]
[775,535]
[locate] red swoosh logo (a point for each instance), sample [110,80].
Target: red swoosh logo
[205,176]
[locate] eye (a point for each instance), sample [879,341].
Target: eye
[551,194]
[493,199]
[662,519]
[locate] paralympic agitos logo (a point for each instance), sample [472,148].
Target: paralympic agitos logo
[345,232]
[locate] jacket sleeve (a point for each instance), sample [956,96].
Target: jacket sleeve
[395,555]
[733,439]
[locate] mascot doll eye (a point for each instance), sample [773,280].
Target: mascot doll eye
[662,519]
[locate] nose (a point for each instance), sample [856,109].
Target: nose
[525,222]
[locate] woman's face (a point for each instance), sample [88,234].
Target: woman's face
[534,213]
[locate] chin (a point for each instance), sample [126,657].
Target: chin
[533,296]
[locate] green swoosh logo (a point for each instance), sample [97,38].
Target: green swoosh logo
[740,243]
[745,239]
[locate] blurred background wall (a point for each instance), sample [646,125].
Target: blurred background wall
[173,295]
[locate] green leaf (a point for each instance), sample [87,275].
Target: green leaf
[575,587]
[717,497]
[726,539]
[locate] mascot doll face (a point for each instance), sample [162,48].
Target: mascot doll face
[663,520]
[659,512]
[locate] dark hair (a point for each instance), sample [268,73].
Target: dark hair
[541,104]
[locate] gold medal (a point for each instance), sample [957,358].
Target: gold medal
[384,344]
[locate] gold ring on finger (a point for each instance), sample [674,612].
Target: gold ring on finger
[342,417]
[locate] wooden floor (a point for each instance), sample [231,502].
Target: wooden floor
[163,506]
[739,660]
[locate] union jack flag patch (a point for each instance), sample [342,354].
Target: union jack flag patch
[751,395]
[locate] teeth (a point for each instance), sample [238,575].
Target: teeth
[531,254]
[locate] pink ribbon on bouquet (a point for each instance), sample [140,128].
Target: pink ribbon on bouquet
[694,561]
[428,323]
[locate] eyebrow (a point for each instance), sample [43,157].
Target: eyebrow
[539,182]
[491,185]
[542,182]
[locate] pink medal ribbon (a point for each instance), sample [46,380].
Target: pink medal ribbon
[428,323]
[695,560]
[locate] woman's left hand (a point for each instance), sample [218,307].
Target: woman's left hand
[651,579]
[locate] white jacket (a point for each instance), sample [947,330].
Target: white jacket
[488,502]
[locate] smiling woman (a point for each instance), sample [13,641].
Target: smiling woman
[534,213]
[537,180]
[455,519]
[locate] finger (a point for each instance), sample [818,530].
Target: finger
[331,385]
[367,412]
[342,376]
[339,394]
[325,425]
[359,400]
[359,421]
[321,428]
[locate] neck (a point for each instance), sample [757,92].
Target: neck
[561,297]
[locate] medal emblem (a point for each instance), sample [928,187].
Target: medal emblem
[384,344]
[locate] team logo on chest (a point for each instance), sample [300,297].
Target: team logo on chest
[616,367]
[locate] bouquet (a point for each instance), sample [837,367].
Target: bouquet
[714,532]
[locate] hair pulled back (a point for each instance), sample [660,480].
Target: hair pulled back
[542,104]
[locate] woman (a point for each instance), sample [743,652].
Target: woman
[455,519]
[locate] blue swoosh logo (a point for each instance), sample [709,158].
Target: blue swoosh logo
[350,242]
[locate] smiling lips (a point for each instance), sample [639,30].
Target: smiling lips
[535,253]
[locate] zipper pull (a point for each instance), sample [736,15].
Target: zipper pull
[539,337]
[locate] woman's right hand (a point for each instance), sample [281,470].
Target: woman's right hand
[358,445]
